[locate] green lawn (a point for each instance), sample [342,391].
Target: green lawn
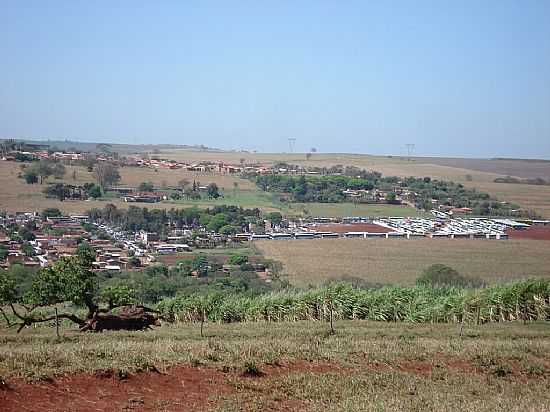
[243,198]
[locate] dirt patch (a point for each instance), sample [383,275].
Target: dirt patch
[535,232]
[351,227]
[302,366]
[181,388]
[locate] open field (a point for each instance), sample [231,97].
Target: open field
[299,367]
[527,169]
[401,261]
[351,209]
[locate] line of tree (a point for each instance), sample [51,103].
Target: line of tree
[229,218]
[329,188]
[38,171]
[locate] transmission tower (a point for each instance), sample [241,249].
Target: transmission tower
[410,150]
[291,143]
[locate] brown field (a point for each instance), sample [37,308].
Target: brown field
[513,167]
[536,232]
[16,195]
[312,262]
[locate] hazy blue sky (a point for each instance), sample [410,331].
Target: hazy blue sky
[465,78]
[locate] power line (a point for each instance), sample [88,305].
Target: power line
[291,144]
[410,149]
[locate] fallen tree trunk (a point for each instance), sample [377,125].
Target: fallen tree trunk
[130,318]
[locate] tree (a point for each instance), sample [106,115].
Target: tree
[94,191]
[442,276]
[227,230]
[44,169]
[50,212]
[275,218]
[213,191]
[31,177]
[237,259]
[3,252]
[70,279]
[86,252]
[119,295]
[183,184]
[106,174]
[391,197]
[146,187]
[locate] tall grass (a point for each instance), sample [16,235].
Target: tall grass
[521,300]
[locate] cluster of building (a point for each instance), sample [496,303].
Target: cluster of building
[55,237]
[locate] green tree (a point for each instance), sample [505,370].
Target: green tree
[213,191]
[31,177]
[227,230]
[44,169]
[237,260]
[3,252]
[146,187]
[118,295]
[275,217]
[86,252]
[443,276]
[94,191]
[51,212]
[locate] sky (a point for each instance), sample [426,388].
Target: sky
[456,78]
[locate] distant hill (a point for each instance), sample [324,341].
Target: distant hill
[114,147]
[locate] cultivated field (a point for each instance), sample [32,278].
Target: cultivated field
[400,261]
[280,367]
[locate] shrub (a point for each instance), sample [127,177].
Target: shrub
[237,260]
[442,276]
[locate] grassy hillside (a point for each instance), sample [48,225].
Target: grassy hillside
[282,367]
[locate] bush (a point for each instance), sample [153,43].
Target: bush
[51,212]
[442,276]
[237,260]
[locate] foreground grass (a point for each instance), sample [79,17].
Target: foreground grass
[373,366]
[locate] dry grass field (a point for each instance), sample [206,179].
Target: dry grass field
[16,195]
[400,261]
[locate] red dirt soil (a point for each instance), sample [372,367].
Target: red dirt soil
[351,227]
[182,388]
[535,232]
